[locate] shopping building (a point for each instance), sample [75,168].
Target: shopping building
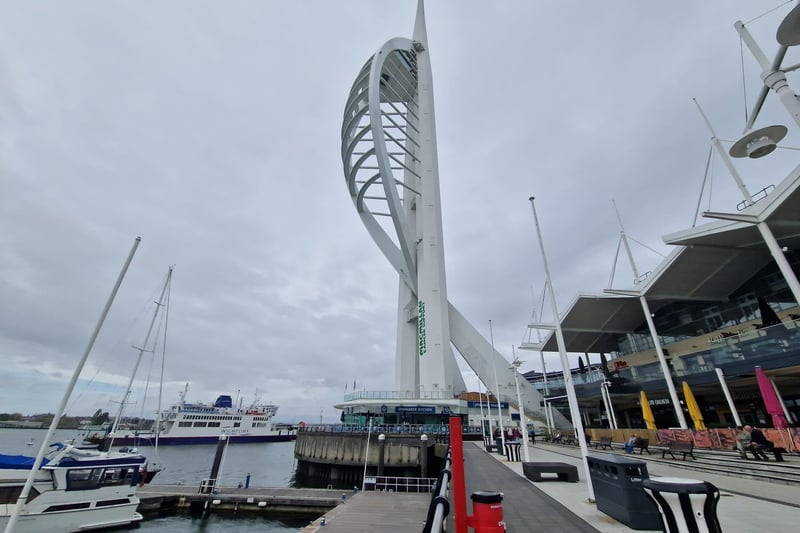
[719,302]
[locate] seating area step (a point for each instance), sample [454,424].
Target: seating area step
[722,462]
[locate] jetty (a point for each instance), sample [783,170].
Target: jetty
[160,498]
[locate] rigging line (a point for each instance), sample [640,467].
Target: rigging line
[788,147]
[541,310]
[710,184]
[614,266]
[150,366]
[156,337]
[703,185]
[113,351]
[744,81]
[768,12]
[643,244]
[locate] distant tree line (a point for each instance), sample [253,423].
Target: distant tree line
[66,422]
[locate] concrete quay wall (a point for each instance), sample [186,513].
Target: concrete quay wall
[350,449]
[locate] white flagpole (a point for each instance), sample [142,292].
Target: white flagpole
[574,412]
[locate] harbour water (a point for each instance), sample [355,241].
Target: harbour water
[269,465]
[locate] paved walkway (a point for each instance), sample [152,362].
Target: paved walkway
[526,507]
[562,507]
[745,504]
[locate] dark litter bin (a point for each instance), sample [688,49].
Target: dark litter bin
[512,451]
[498,442]
[619,493]
[685,504]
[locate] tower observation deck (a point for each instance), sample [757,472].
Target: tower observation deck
[391,171]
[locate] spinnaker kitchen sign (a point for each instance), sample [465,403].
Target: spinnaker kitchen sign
[421,327]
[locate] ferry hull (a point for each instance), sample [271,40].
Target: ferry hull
[206,439]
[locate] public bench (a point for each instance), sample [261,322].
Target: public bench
[603,443]
[685,448]
[564,471]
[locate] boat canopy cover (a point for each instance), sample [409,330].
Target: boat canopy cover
[223,401]
[19,462]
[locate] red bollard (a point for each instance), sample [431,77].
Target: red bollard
[487,512]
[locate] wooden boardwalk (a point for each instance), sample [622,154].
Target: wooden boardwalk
[367,512]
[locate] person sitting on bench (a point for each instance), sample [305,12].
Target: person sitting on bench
[760,444]
[631,443]
[743,441]
[747,442]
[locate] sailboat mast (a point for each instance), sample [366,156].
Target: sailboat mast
[37,463]
[163,357]
[141,349]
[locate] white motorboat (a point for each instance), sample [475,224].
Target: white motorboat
[73,490]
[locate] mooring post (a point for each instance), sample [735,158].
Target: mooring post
[381,453]
[423,455]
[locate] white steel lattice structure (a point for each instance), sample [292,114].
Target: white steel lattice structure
[391,169]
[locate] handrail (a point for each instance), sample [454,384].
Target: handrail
[389,429]
[439,507]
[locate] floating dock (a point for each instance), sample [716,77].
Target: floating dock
[160,498]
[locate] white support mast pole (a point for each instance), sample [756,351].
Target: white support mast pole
[773,78]
[37,463]
[662,360]
[763,228]
[604,395]
[522,420]
[489,413]
[547,413]
[480,402]
[497,394]
[565,369]
[611,406]
[728,397]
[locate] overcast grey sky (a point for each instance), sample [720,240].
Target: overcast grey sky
[212,129]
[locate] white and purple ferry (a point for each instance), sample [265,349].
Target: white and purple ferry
[199,423]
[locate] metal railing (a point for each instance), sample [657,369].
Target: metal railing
[387,429]
[439,507]
[398,395]
[400,484]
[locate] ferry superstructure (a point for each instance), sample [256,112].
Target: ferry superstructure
[199,423]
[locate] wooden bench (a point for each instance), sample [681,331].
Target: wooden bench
[642,446]
[564,471]
[603,443]
[686,448]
